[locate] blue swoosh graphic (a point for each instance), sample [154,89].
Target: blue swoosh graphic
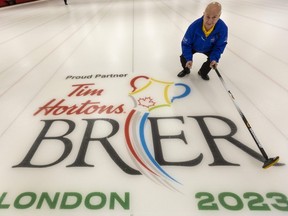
[144,145]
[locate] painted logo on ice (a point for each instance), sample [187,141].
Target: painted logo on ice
[148,94]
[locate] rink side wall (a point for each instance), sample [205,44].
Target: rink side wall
[4,3]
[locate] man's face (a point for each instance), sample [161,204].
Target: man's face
[211,16]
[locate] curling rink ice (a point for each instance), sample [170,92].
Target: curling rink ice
[95,121]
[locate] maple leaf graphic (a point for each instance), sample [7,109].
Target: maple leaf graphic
[146,102]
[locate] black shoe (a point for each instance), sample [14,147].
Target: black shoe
[184,72]
[204,77]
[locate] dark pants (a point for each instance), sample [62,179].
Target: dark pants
[205,68]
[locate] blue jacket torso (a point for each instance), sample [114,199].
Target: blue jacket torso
[195,40]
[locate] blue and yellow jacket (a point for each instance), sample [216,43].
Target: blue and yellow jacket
[195,40]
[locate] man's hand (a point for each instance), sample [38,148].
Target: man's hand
[189,64]
[213,64]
